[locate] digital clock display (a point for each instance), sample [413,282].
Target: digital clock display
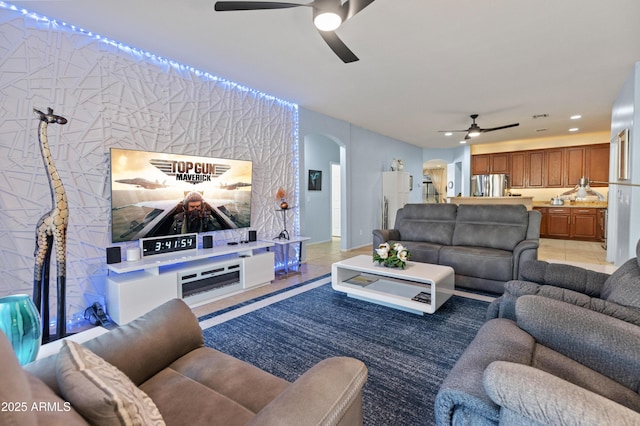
[151,246]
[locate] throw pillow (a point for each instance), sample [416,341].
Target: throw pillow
[100,392]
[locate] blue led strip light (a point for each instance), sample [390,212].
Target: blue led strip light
[148,55]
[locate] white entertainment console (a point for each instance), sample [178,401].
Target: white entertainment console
[197,276]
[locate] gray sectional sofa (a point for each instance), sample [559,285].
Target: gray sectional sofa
[616,295]
[557,364]
[484,244]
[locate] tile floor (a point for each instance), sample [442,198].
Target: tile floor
[319,258]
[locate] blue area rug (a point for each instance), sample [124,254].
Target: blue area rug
[408,356]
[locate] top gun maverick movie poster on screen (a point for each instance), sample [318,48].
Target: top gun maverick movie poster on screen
[157,194]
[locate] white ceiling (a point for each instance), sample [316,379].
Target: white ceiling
[425,65]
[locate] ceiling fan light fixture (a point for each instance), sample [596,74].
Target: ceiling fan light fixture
[327,21]
[474,133]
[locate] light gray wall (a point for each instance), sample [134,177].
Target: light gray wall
[319,153]
[365,156]
[624,201]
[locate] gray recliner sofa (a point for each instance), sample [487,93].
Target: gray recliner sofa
[559,364]
[484,244]
[616,295]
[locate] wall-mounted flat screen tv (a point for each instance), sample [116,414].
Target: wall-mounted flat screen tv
[156,194]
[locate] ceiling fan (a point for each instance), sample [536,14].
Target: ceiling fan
[328,15]
[475,130]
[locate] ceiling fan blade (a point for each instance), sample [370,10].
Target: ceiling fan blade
[499,128]
[225,6]
[338,46]
[354,6]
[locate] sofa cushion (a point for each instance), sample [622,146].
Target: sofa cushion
[204,406]
[492,264]
[423,252]
[100,392]
[225,388]
[623,286]
[546,359]
[433,225]
[493,226]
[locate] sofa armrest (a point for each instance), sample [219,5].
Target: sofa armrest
[530,396]
[461,394]
[525,251]
[329,393]
[566,276]
[383,235]
[140,348]
[600,342]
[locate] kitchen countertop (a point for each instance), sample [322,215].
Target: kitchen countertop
[574,204]
[527,201]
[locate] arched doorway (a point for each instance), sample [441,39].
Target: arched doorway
[319,204]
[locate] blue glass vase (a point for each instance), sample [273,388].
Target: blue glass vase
[20,321]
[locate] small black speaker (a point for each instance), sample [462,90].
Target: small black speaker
[253,235]
[114,255]
[207,241]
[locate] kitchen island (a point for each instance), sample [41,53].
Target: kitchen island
[527,201]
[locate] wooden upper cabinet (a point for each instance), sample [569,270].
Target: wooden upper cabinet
[535,166]
[576,160]
[554,176]
[547,168]
[500,163]
[597,163]
[517,169]
[481,164]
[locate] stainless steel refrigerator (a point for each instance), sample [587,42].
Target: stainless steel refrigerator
[495,185]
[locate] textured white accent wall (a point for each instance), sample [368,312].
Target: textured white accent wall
[114,96]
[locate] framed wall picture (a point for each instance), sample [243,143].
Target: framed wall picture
[623,155]
[315,180]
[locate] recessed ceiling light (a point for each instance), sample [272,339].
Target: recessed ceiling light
[448,134]
[576,117]
[463,141]
[573,129]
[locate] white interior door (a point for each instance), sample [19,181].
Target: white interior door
[335,200]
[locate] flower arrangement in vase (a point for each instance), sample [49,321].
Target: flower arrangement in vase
[392,255]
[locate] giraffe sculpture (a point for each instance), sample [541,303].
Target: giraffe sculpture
[51,230]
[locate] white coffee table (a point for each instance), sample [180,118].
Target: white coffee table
[361,278]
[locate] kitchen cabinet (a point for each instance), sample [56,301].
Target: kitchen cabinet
[590,161]
[547,168]
[535,169]
[597,164]
[572,223]
[490,163]
[500,163]
[543,221]
[559,222]
[481,164]
[584,224]
[517,170]
[554,168]
[575,165]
